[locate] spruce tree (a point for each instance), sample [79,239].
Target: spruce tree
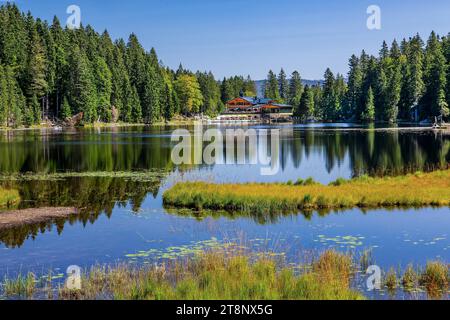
[434,102]
[355,82]
[283,85]
[272,90]
[305,110]
[368,114]
[295,89]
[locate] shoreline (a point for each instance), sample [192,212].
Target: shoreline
[189,122]
[230,272]
[17,218]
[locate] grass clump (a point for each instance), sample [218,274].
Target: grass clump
[435,278]
[220,275]
[391,281]
[410,279]
[22,286]
[427,189]
[8,197]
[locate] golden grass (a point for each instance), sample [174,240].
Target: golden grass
[414,190]
[220,276]
[8,197]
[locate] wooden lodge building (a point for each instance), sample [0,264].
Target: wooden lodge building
[256,109]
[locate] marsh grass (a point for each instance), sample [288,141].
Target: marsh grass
[410,279]
[21,287]
[413,190]
[8,197]
[391,280]
[219,275]
[435,278]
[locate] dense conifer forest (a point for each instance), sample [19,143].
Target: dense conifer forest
[49,72]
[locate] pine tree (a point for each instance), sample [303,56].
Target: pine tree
[36,73]
[249,87]
[81,86]
[168,105]
[434,102]
[66,110]
[103,83]
[368,114]
[329,97]
[295,89]
[413,84]
[305,110]
[355,82]
[135,106]
[272,90]
[283,85]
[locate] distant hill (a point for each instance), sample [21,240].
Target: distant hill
[260,85]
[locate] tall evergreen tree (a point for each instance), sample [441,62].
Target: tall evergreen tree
[368,114]
[434,102]
[305,110]
[283,85]
[272,89]
[295,89]
[355,82]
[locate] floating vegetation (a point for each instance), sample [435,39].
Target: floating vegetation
[176,252]
[342,241]
[144,176]
[413,190]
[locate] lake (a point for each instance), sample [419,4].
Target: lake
[123,218]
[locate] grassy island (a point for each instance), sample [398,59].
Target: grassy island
[414,190]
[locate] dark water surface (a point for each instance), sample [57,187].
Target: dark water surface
[123,218]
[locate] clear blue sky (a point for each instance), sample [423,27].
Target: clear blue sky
[244,37]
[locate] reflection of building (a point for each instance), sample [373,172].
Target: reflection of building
[254,108]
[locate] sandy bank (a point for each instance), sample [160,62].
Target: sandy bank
[16,218]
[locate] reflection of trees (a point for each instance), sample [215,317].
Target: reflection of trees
[93,196]
[82,151]
[258,217]
[370,152]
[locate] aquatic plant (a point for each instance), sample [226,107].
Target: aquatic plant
[435,278]
[219,275]
[8,197]
[410,279]
[427,189]
[22,286]
[391,280]
[144,176]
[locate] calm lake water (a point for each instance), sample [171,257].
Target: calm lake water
[123,218]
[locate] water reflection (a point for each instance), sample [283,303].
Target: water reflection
[129,216]
[93,197]
[363,152]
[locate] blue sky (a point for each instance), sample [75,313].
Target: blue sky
[244,37]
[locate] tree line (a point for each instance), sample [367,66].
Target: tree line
[48,72]
[409,81]
[51,72]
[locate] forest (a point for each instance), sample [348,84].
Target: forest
[50,73]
